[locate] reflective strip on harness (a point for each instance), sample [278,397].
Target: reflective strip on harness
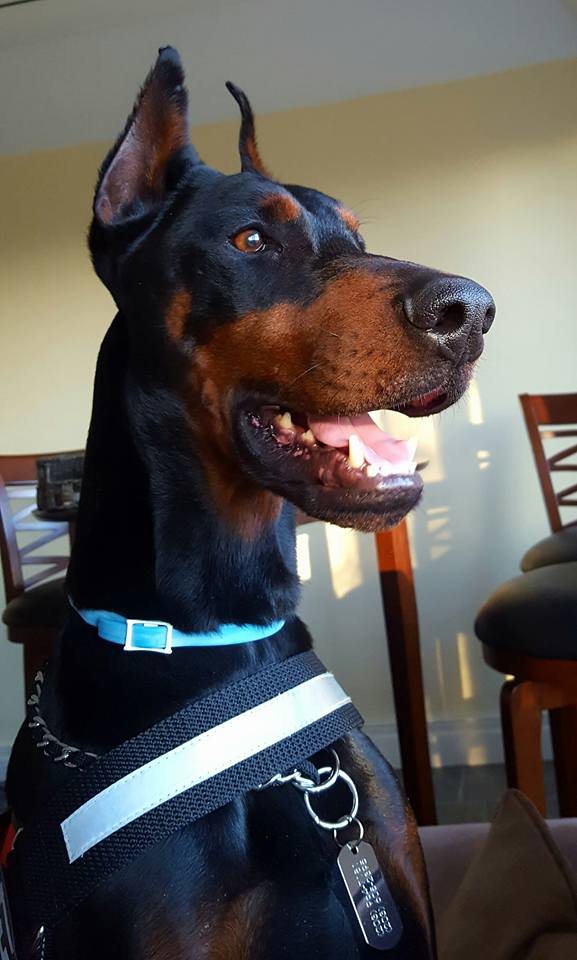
[199,759]
[186,766]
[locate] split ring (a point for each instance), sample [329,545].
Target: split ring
[344,821]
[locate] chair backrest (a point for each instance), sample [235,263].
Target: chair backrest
[21,533]
[542,412]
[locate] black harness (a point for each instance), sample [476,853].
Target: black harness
[44,886]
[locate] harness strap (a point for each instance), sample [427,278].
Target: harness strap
[139,793]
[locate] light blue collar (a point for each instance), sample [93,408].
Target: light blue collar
[157,636]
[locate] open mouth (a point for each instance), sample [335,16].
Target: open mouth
[343,468]
[337,452]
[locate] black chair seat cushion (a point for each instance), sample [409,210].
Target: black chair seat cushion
[43,606]
[560,547]
[534,615]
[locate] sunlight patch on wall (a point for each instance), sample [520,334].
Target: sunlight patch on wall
[465,672]
[477,756]
[429,448]
[344,560]
[475,404]
[439,531]
[484,458]
[412,535]
[304,557]
[441,674]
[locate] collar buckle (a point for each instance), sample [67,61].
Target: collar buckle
[131,642]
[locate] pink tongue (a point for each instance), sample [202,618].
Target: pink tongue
[378,446]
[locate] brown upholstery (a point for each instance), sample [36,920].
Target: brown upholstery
[449,851]
[517,896]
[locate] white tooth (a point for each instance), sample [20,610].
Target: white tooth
[286,421]
[356,451]
[412,447]
[376,416]
[308,437]
[372,470]
[405,466]
[386,468]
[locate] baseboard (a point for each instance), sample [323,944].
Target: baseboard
[473,742]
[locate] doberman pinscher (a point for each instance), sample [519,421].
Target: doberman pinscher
[253,335]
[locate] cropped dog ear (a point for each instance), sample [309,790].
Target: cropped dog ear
[250,158]
[137,172]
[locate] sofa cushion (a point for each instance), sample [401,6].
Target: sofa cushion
[518,898]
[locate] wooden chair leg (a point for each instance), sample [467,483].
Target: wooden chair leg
[401,616]
[563,723]
[521,715]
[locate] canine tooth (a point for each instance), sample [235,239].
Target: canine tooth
[286,421]
[308,437]
[412,447]
[356,451]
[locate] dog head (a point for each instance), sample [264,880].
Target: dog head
[257,305]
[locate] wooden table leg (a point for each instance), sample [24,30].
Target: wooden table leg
[401,618]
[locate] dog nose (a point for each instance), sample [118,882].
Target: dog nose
[454,309]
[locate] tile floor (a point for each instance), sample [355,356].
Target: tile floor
[467,794]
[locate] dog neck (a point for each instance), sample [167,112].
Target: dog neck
[149,543]
[149,546]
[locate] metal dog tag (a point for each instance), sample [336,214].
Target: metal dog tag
[370,896]
[7,947]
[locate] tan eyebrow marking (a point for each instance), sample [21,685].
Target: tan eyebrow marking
[281,207]
[177,314]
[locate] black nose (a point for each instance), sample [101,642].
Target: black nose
[455,310]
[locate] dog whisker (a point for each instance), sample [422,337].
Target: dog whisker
[304,373]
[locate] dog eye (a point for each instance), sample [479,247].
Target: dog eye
[249,241]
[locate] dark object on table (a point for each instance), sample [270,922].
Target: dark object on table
[59,481]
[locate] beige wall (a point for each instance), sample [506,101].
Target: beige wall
[477,177]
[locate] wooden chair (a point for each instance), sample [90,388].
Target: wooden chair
[36,604]
[528,626]
[542,413]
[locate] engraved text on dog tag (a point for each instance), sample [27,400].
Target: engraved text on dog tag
[370,896]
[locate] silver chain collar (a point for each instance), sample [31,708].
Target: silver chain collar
[52,748]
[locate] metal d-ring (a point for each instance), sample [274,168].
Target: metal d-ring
[344,821]
[302,783]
